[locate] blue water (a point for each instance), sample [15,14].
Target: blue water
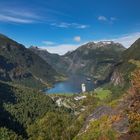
[72,85]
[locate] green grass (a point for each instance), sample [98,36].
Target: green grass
[135,62]
[102,94]
[98,130]
[61,94]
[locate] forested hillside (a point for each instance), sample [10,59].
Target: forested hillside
[20,107]
[20,65]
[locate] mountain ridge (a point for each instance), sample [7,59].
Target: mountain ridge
[19,63]
[87,59]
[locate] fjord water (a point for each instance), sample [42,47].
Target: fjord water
[71,85]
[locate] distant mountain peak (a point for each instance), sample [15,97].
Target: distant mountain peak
[101,44]
[105,42]
[36,48]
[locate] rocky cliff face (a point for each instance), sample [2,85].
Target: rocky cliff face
[122,70]
[117,78]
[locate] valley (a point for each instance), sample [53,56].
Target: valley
[96,60]
[73,85]
[108,110]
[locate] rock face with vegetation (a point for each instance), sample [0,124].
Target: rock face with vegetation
[21,65]
[94,58]
[123,69]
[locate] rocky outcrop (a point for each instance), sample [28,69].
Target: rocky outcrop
[117,78]
[97,114]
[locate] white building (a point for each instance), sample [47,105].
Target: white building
[83,86]
[79,98]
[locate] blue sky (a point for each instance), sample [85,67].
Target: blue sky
[63,25]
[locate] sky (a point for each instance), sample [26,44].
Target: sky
[63,25]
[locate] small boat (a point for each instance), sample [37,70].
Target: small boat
[88,79]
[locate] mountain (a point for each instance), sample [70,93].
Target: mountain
[21,65]
[123,69]
[56,61]
[111,113]
[133,51]
[92,59]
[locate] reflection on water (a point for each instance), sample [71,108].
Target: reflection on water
[72,85]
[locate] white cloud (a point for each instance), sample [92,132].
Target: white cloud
[77,38]
[61,25]
[48,43]
[69,25]
[102,18]
[127,40]
[105,19]
[79,26]
[83,26]
[5,18]
[18,16]
[20,13]
[61,49]
[113,18]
